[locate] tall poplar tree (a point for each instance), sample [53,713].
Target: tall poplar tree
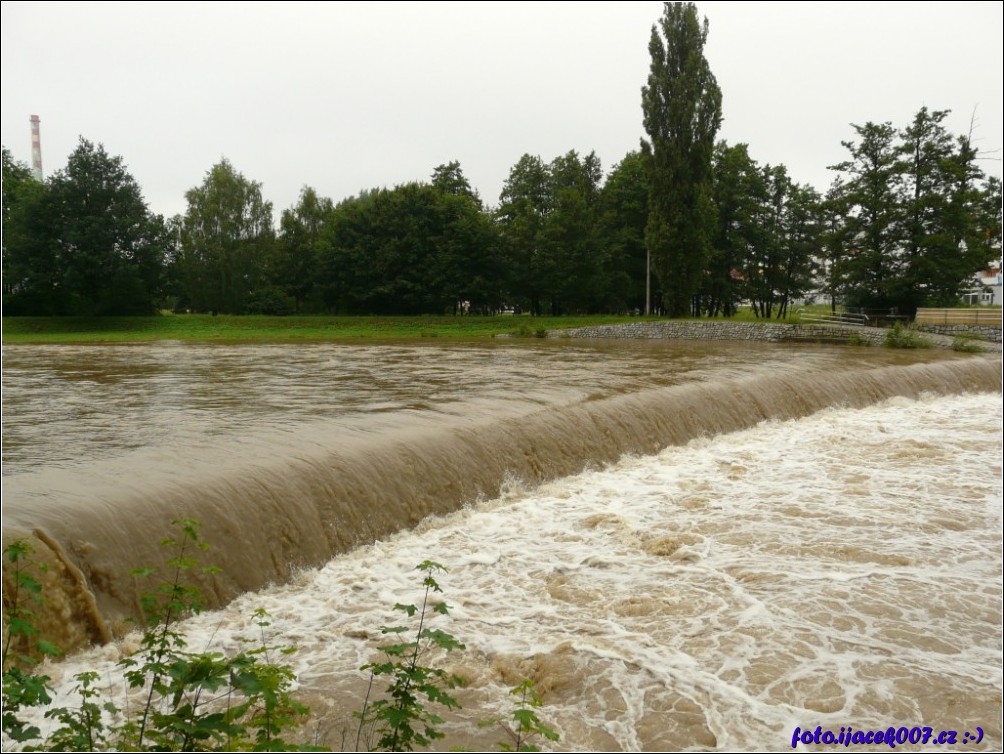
[682,108]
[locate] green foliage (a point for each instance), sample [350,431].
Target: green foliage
[524,204]
[899,336]
[84,243]
[271,301]
[525,331]
[22,688]
[915,217]
[226,238]
[402,720]
[623,216]
[682,106]
[526,725]
[549,220]
[738,193]
[192,701]
[28,259]
[293,266]
[206,699]
[966,344]
[779,268]
[767,232]
[110,246]
[450,179]
[82,728]
[413,249]
[210,701]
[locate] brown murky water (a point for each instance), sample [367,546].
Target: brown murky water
[842,569]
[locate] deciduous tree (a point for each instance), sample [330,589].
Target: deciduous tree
[778,266]
[912,222]
[624,214]
[739,193]
[86,243]
[294,266]
[549,219]
[524,205]
[226,236]
[111,246]
[450,179]
[571,235]
[413,249]
[30,271]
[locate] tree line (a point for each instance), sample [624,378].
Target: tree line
[686,225]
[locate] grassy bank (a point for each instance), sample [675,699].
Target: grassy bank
[204,327]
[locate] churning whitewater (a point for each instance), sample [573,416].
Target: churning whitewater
[842,569]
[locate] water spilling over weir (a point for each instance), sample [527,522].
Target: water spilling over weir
[837,570]
[284,475]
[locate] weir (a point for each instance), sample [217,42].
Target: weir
[299,500]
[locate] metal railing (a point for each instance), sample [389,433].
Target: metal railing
[839,318]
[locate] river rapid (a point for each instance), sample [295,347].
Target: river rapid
[819,544]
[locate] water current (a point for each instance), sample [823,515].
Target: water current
[813,549]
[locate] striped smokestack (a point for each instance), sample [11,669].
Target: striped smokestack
[36,149]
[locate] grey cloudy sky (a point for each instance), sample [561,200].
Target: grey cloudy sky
[345,96]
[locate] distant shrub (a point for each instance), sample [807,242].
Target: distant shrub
[272,301]
[966,344]
[904,337]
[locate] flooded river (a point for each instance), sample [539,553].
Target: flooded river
[796,536]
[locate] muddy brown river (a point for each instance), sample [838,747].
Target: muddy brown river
[686,545]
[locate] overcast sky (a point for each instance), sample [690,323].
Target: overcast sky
[346,96]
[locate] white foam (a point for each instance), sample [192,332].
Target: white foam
[843,569]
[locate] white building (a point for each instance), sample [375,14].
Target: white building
[986,289]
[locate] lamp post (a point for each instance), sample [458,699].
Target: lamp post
[648,281]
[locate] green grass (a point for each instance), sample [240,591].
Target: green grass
[224,329]
[315,328]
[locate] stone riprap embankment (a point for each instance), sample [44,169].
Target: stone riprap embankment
[983,332]
[718,330]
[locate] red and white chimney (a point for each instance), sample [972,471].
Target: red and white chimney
[36,149]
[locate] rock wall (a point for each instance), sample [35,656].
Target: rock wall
[721,330]
[983,332]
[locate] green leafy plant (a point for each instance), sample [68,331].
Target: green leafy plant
[905,337]
[526,727]
[22,688]
[966,344]
[402,719]
[83,728]
[161,667]
[191,701]
[268,709]
[204,701]
[197,701]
